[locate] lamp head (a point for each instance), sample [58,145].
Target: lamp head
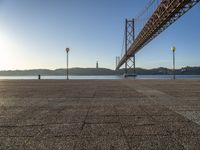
[67,50]
[173,48]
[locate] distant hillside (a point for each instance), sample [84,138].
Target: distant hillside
[72,71]
[101,71]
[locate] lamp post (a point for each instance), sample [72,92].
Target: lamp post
[67,51]
[173,50]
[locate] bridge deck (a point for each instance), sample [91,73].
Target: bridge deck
[104,114]
[167,13]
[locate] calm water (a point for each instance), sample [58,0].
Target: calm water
[108,77]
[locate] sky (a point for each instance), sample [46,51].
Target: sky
[35,33]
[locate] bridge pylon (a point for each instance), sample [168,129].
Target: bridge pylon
[129,38]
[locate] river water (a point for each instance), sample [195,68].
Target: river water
[106,77]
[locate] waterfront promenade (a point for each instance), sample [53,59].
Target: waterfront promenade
[100,114]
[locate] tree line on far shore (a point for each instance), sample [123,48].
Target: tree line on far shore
[101,71]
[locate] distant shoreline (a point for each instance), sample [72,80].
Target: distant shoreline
[100,71]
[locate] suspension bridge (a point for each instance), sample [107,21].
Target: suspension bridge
[157,16]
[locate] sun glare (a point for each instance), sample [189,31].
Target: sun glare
[7,52]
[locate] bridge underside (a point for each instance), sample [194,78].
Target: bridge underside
[167,13]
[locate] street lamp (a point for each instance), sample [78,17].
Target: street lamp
[67,51]
[173,50]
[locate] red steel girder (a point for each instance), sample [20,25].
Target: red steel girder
[166,13]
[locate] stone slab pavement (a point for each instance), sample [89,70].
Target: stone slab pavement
[100,114]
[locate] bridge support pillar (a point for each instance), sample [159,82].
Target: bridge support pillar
[129,38]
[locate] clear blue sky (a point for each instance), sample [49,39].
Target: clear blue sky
[34,34]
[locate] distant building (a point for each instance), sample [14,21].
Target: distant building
[97,65]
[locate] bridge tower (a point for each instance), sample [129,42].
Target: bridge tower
[129,38]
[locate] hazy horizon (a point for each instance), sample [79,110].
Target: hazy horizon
[34,34]
[94,68]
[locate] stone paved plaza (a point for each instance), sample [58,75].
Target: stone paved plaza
[100,115]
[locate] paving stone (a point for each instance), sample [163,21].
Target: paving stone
[109,129]
[101,110]
[20,131]
[74,110]
[53,116]
[101,119]
[10,110]
[170,118]
[149,129]
[191,115]
[157,110]
[155,142]
[189,142]
[34,118]
[10,115]
[59,130]
[71,118]
[52,143]
[136,120]
[102,143]
[14,143]
[130,110]
[182,128]
[108,93]
[183,108]
[99,114]
[55,119]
